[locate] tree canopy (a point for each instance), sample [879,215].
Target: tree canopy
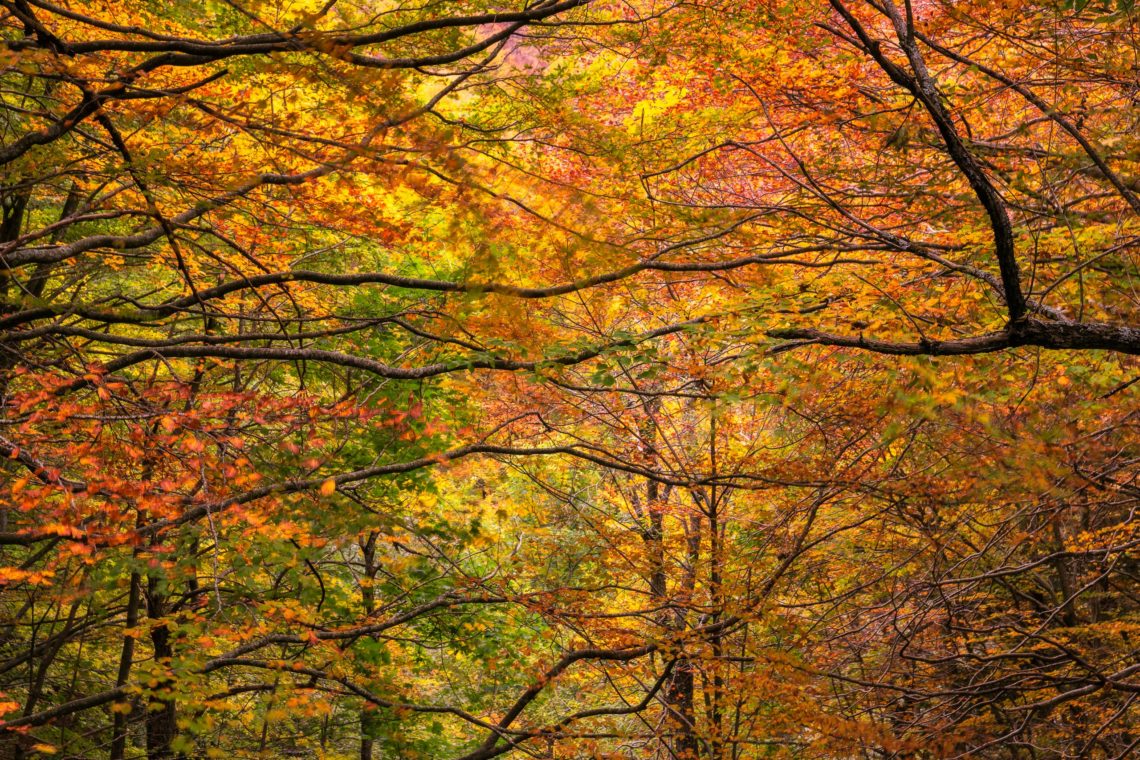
[569,379]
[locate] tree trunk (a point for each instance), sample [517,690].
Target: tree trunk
[368,600]
[161,714]
[126,658]
[678,692]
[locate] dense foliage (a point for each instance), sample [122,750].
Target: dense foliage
[569,379]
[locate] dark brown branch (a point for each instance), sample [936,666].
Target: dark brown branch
[1059,336]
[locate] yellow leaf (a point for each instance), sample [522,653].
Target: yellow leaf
[328,488]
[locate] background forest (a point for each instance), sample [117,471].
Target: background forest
[569,379]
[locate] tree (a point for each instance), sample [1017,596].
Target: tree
[583,380]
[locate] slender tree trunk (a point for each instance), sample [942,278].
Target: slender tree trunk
[368,600]
[161,714]
[678,692]
[12,206]
[126,658]
[716,590]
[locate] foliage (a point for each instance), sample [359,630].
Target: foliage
[573,379]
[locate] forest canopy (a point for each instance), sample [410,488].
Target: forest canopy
[569,379]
